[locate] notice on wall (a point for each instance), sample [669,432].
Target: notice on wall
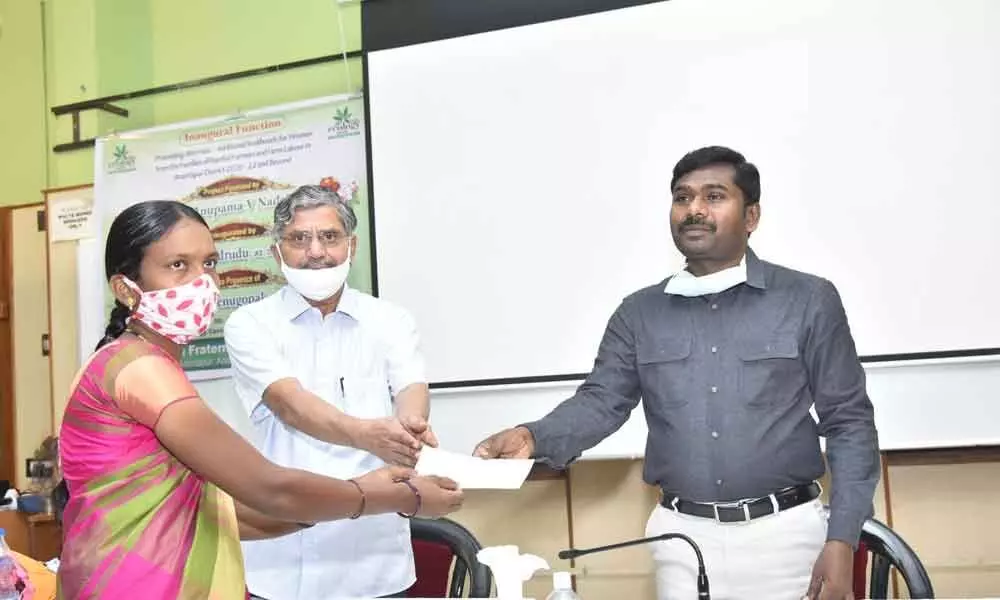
[70,214]
[234,171]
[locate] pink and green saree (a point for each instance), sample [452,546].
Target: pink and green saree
[139,523]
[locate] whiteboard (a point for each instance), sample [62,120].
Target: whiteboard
[522,175]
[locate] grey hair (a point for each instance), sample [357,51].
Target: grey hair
[311,196]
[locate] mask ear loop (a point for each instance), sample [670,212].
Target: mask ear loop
[277,246]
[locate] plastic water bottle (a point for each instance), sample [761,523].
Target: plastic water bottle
[562,587]
[8,571]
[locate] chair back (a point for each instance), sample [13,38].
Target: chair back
[860,583]
[60,496]
[888,550]
[437,544]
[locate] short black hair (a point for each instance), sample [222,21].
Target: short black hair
[746,176]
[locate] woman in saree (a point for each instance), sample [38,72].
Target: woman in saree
[160,489]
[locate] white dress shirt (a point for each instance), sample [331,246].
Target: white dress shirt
[357,359]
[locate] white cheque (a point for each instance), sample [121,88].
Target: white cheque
[474,473]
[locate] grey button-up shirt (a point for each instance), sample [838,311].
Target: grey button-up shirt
[727,381]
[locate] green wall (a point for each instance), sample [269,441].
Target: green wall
[54,52]
[60,51]
[22,102]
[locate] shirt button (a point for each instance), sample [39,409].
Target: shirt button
[715,306]
[715,434]
[718,482]
[714,349]
[714,389]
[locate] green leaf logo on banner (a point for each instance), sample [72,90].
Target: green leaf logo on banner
[121,160]
[345,124]
[343,115]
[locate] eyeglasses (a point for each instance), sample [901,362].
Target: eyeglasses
[302,240]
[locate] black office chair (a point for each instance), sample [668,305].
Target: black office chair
[888,551]
[435,543]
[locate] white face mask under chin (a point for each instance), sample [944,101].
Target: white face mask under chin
[686,284]
[316,284]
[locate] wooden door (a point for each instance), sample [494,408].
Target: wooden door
[7,460]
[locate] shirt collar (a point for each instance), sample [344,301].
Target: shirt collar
[756,275]
[293,304]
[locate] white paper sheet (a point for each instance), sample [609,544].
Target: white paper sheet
[473,473]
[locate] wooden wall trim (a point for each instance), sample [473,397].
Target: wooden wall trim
[23,205]
[569,520]
[887,490]
[8,415]
[67,188]
[48,309]
[943,456]
[53,336]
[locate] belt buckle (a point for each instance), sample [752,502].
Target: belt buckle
[737,504]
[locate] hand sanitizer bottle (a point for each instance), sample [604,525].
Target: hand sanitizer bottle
[562,587]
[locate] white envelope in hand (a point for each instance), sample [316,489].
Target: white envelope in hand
[471,472]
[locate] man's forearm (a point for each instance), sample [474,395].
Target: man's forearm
[255,525]
[854,469]
[846,415]
[413,400]
[578,424]
[600,406]
[852,452]
[302,410]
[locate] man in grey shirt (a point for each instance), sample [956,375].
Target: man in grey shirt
[728,356]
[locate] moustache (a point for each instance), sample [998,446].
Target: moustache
[317,264]
[696,221]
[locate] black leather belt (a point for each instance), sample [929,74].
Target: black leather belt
[744,510]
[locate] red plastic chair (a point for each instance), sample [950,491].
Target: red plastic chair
[433,564]
[887,551]
[444,554]
[861,571]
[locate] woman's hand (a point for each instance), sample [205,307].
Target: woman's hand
[439,496]
[381,479]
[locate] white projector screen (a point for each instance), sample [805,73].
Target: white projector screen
[521,177]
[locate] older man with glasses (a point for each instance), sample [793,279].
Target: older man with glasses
[334,383]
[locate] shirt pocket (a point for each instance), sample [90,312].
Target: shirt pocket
[665,373]
[771,371]
[367,397]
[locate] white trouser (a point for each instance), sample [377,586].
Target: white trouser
[770,557]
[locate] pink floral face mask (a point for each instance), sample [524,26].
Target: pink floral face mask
[181,313]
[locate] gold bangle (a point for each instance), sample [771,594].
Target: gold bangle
[364,499]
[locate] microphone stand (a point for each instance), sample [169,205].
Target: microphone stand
[703,593]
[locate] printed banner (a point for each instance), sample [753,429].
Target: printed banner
[233,171]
